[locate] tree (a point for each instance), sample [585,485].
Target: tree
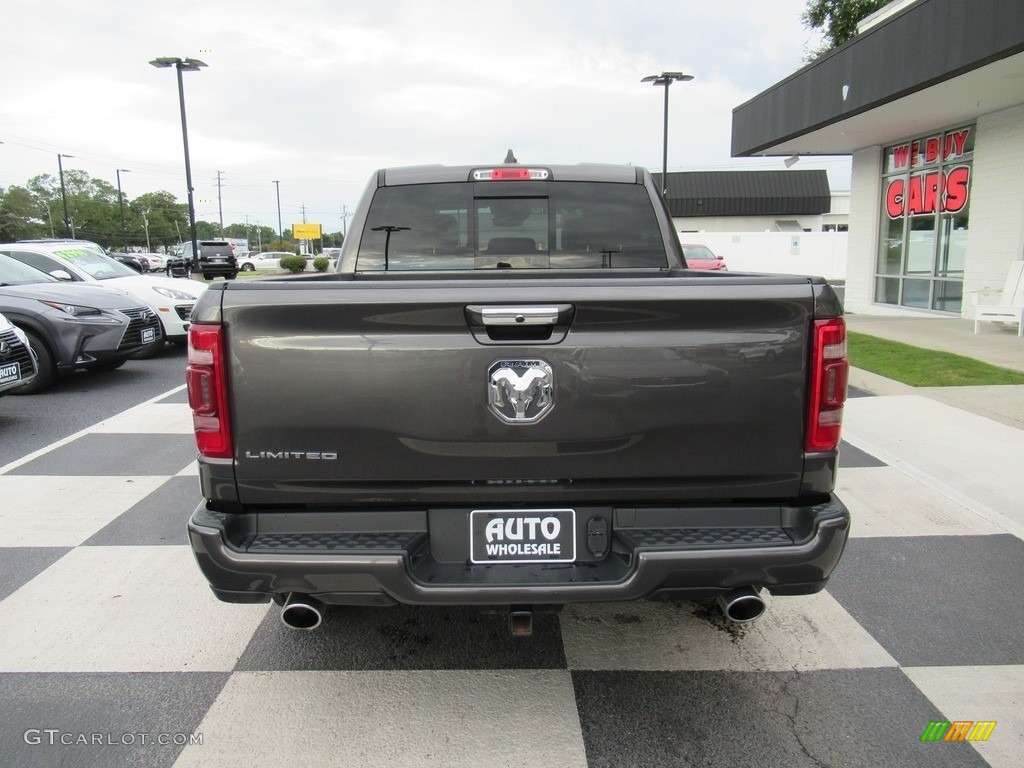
[333,240]
[837,20]
[207,230]
[152,221]
[22,215]
[166,219]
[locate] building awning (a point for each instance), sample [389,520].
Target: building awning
[934,64]
[748,193]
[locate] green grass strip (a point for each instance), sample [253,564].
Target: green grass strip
[923,367]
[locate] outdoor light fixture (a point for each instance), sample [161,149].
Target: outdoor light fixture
[792,160]
[184,65]
[666,79]
[68,231]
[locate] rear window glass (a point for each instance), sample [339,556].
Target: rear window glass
[514,225]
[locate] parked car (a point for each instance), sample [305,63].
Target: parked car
[176,265]
[171,300]
[140,265]
[155,262]
[530,442]
[136,261]
[265,260]
[73,326]
[18,363]
[216,258]
[701,257]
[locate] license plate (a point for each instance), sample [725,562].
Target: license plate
[522,536]
[148,335]
[10,372]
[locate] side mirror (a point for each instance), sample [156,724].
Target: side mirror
[61,274]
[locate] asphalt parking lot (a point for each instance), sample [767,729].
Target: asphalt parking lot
[114,652]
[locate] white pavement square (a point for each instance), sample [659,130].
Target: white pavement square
[56,511]
[993,693]
[523,718]
[123,609]
[884,501]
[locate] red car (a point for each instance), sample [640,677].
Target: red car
[701,257]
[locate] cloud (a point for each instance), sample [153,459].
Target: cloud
[318,95]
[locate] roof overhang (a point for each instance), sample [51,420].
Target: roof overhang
[937,64]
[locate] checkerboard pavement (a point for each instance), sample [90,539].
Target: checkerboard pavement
[109,635]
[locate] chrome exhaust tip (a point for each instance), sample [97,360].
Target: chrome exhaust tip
[742,605]
[302,612]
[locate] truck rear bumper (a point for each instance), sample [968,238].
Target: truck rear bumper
[676,561]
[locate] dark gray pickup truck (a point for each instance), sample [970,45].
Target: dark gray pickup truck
[514,394]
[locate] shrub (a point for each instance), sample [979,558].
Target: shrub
[293,263]
[320,264]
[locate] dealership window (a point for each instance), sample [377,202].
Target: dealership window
[925,217]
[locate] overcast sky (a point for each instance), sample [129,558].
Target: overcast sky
[317,94]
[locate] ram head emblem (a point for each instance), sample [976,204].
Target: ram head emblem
[520,391]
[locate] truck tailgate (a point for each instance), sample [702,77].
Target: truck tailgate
[647,389]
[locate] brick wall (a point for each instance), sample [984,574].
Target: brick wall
[865,197]
[996,235]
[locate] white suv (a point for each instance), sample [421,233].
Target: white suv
[262,260]
[82,261]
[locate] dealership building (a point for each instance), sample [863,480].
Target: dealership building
[928,99]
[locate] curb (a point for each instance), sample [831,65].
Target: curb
[878,385]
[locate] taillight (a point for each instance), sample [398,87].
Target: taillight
[829,369]
[207,393]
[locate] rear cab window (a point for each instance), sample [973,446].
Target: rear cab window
[473,225]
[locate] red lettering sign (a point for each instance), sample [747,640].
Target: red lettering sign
[931,192]
[959,140]
[929,150]
[955,199]
[894,199]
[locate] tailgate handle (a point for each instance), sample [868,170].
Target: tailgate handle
[520,323]
[519,315]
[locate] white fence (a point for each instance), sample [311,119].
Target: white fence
[790,253]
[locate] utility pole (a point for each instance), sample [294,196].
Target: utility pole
[120,201]
[280,231]
[220,207]
[68,227]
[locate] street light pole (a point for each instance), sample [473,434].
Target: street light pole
[280,232]
[64,195]
[120,200]
[184,65]
[666,79]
